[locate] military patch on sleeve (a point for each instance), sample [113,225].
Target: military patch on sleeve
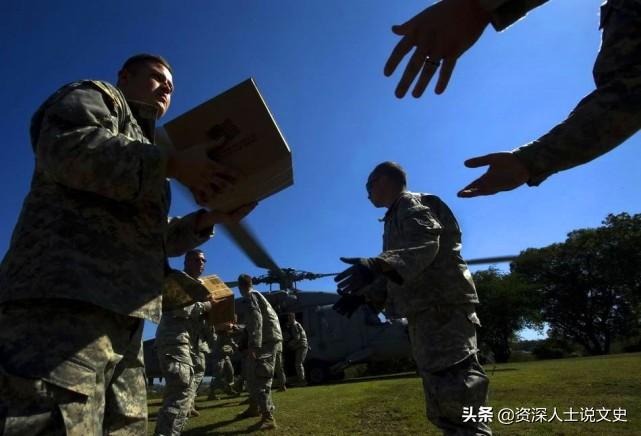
[114,100]
[421,215]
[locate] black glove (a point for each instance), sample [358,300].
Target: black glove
[348,304]
[362,272]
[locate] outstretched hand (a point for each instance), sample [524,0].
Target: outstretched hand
[348,304]
[505,173]
[362,272]
[441,34]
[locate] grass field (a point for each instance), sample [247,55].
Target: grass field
[394,405]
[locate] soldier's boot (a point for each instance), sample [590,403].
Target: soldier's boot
[283,388]
[300,382]
[212,395]
[229,390]
[248,413]
[267,422]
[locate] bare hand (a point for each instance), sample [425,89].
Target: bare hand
[252,354]
[213,217]
[505,173]
[441,33]
[202,175]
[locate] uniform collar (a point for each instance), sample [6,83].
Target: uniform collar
[393,207]
[146,116]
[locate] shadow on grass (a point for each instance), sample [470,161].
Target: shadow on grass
[154,415]
[491,371]
[398,376]
[218,405]
[212,429]
[375,377]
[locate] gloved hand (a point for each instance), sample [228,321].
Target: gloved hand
[362,272]
[348,304]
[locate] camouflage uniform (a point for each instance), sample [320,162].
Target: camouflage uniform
[297,341]
[279,368]
[433,288]
[607,116]
[201,347]
[92,235]
[264,337]
[176,332]
[222,366]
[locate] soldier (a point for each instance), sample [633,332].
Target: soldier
[87,256]
[600,122]
[204,339]
[176,333]
[279,370]
[264,340]
[243,343]
[223,349]
[201,348]
[424,278]
[297,341]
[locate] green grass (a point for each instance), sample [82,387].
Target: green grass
[394,405]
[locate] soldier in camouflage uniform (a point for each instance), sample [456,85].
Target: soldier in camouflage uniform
[279,370]
[243,342]
[426,280]
[87,256]
[296,340]
[264,339]
[204,343]
[204,335]
[223,369]
[177,331]
[600,122]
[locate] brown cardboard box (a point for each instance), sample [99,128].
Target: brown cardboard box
[248,139]
[181,290]
[224,311]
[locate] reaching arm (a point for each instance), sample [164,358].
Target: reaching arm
[606,117]
[600,122]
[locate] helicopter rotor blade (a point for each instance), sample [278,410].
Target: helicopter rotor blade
[488,260]
[243,237]
[326,275]
[304,275]
[247,241]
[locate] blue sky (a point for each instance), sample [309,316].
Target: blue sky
[319,66]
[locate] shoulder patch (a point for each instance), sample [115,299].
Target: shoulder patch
[116,99]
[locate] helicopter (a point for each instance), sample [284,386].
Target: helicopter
[336,342]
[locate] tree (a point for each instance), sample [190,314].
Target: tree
[508,304]
[590,284]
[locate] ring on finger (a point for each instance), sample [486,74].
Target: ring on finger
[430,61]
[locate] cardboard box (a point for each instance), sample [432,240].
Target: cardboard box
[181,290]
[248,140]
[224,311]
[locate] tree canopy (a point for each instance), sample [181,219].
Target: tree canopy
[589,286]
